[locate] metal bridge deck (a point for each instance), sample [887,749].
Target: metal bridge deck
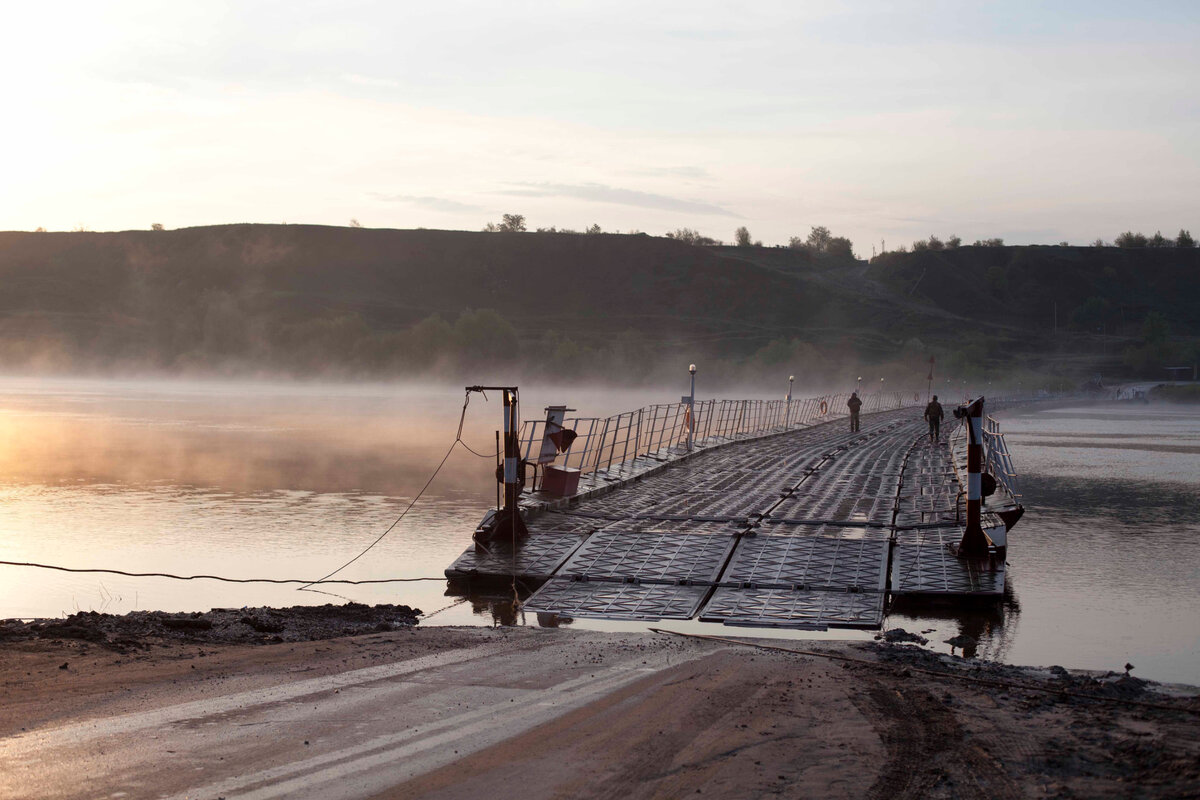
[810,529]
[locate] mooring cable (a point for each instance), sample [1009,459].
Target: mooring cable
[221,578]
[391,527]
[462,418]
[307,583]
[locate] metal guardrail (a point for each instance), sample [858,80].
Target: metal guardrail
[999,461]
[661,431]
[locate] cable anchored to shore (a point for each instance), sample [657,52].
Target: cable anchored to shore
[457,441]
[221,578]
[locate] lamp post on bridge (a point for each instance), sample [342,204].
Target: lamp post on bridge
[691,404]
[787,412]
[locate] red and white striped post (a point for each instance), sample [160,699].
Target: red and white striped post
[974,541]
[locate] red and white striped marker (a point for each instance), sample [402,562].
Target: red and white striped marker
[974,541]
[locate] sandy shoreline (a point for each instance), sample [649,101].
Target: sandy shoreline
[549,713]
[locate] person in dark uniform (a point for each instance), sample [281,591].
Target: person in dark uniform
[854,404]
[934,414]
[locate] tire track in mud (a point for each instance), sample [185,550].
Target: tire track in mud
[929,753]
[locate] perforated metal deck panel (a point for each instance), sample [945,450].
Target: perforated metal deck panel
[678,526]
[828,530]
[572,598]
[650,557]
[809,563]
[562,523]
[923,564]
[784,608]
[539,555]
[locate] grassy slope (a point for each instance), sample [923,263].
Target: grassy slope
[152,298]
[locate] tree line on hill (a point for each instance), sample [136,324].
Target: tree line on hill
[1129,239]
[819,240]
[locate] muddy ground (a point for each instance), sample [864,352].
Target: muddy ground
[879,720]
[141,629]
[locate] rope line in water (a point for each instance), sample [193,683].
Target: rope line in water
[222,578]
[307,583]
[457,441]
[391,527]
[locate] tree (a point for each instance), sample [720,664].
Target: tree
[818,238]
[797,243]
[935,243]
[742,236]
[997,242]
[1099,243]
[1184,239]
[513,223]
[355,223]
[1093,312]
[1158,240]
[689,236]
[840,247]
[594,229]
[953,242]
[1155,329]
[156,226]
[920,245]
[1130,239]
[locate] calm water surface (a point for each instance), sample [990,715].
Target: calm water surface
[282,481]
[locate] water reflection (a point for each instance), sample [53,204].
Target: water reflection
[986,627]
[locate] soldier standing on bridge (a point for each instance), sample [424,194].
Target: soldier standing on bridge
[855,404]
[934,413]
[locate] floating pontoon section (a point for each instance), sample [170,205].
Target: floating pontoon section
[572,598]
[811,528]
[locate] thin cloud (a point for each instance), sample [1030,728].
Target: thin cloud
[424,201]
[598,193]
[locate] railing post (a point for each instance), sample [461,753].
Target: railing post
[638,444]
[600,445]
[628,430]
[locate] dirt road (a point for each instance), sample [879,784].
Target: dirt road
[534,713]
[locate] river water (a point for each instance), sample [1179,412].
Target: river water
[291,481]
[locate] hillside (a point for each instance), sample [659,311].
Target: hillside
[311,299]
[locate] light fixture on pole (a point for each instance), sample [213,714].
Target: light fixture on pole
[691,404]
[787,412]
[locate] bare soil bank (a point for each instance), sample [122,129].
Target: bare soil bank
[879,720]
[141,629]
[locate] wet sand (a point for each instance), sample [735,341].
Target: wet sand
[530,713]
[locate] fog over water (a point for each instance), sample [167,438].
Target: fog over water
[291,480]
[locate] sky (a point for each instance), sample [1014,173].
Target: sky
[884,121]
